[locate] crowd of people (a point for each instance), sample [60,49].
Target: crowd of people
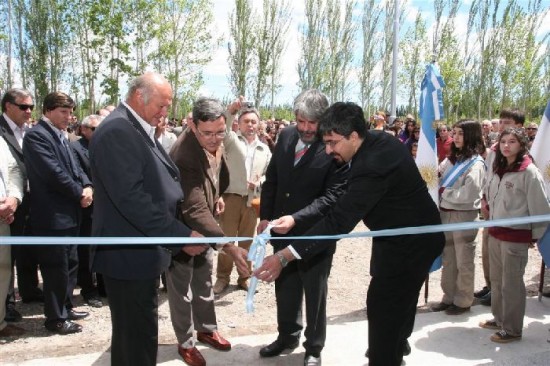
[130,171]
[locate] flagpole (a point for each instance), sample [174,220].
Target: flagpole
[393,111]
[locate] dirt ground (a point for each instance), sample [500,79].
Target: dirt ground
[348,285]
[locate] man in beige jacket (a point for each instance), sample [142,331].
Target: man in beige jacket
[247,160]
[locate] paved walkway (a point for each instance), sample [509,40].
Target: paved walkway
[438,340]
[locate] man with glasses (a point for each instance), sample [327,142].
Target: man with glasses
[198,153]
[386,191]
[17,107]
[89,290]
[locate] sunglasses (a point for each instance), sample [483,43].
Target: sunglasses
[531,128]
[24,107]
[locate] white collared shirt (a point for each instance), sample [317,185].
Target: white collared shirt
[18,132]
[149,130]
[61,134]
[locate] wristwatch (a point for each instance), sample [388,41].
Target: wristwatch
[282,259]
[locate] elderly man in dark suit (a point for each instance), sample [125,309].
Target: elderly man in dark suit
[59,189]
[386,191]
[85,278]
[198,153]
[17,107]
[301,184]
[138,193]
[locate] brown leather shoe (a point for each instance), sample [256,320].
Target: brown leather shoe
[215,340]
[219,287]
[191,356]
[11,331]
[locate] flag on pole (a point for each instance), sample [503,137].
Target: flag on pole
[540,150]
[431,110]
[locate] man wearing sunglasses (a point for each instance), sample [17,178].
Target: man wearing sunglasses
[17,107]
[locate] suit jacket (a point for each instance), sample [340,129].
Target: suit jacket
[80,150]
[198,186]
[386,191]
[137,194]
[56,184]
[305,191]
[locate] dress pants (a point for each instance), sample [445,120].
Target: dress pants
[457,274]
[190,296]
[5,271]
[134,319]
[27,268]
[508,261]
[85,278]
[297,279]
[59,266]
[392,300]
[236,220]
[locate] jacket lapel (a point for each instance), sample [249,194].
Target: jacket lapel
[9,136]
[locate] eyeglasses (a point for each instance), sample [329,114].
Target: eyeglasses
[332,144]
[416,131]
[531,128]
[91,128]
[209,135]
[24,107]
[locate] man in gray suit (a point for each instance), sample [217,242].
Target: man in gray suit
[137,193]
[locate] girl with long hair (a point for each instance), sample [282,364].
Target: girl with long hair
[514,188]
[462,176]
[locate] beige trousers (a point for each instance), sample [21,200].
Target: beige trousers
[485,257]
[508,261]
[236,220]
[457,275]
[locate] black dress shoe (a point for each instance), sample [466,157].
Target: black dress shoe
[311,360]
[276,348]
[484,291]
[486,300]
[94,301]
[63,327]
[12,315]
[75,315]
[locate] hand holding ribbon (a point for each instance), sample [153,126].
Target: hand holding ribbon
[256,255]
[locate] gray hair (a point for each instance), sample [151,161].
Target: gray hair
[207,109]
[88,119]
[145,84]
[12,94]
[310,104]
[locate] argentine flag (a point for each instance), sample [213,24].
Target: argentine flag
[541,153]
[431,110]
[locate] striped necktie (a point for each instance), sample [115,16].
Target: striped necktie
[299,154]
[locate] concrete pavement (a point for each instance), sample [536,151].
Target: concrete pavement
[438,339]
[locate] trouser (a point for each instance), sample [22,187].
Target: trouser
[237,220]
[485,257]
[85,278]
[59,266]
[457,275]
[508,261]
[297,279]
[134,319]
[392,298]
[190,296]
[5,271]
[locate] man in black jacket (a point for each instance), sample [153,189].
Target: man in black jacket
[386,191]
[301,185]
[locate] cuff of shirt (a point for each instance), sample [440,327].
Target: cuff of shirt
[294,252]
